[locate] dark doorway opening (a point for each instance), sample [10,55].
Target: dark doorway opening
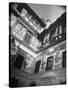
[37,66]
[19,61]
[64,59]
[49,63]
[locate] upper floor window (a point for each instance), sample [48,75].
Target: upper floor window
[23,12]
[27,37]
[58,30]
[46,39]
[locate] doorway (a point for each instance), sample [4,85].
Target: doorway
[37,66]
[49,63]
[64,59]
[19,61]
